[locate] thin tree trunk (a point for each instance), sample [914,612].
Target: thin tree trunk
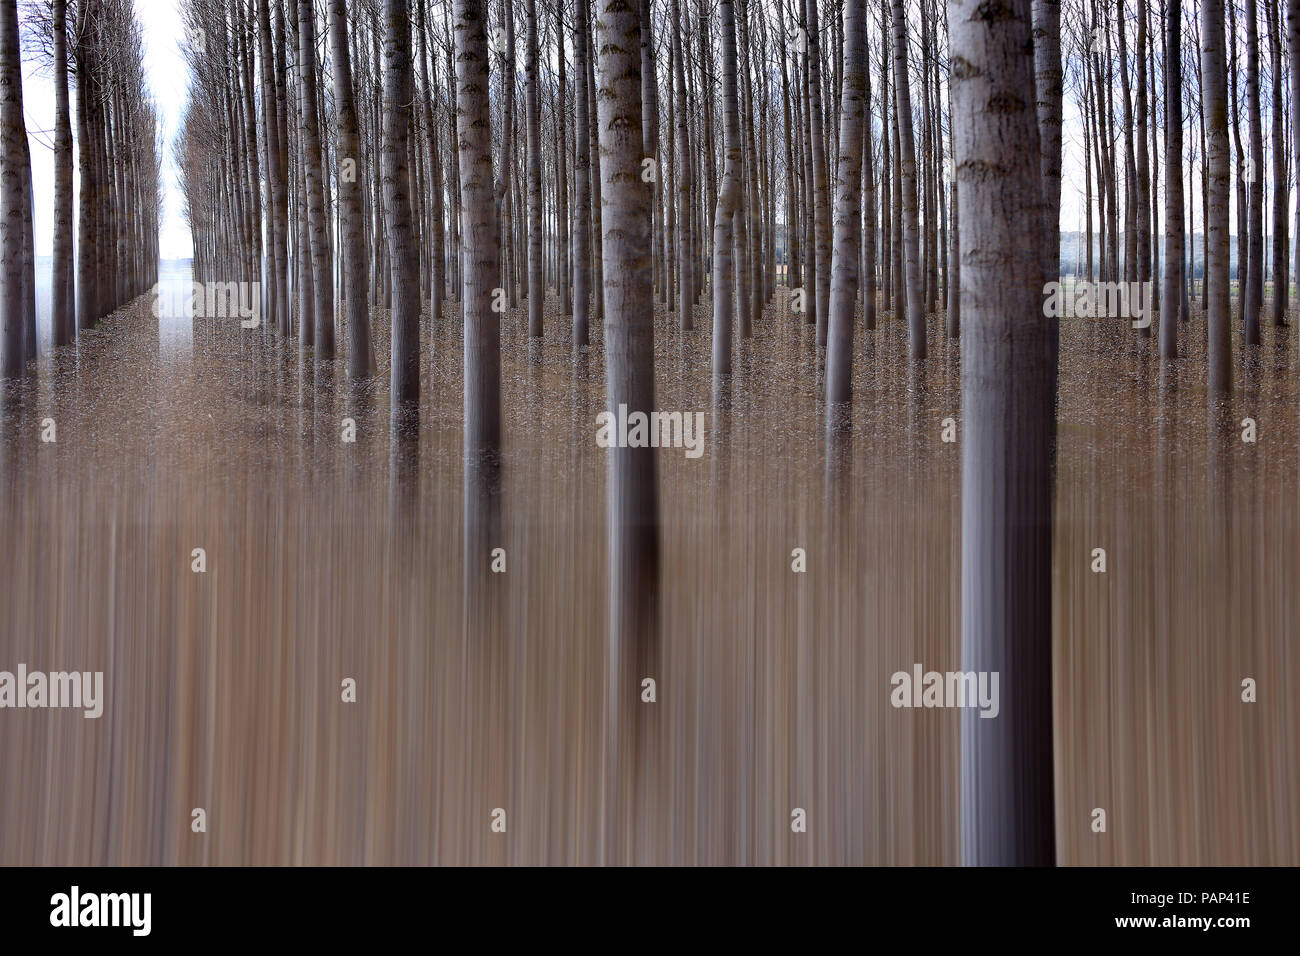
[686,240]
[361,357]
[724,304]
[1255,184]
[1142,218]
[479,241]
[13,193]
[1215,98]
[581,178]
[1173,294]
[62,297]
[821,202]
[1293,60]
[310,143]
[533,123]
[1281,187]
[907,168]
[848,210]
[562,173]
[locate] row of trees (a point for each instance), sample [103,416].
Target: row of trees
[251,58]
[1122,127]
[896,157]
[115,213]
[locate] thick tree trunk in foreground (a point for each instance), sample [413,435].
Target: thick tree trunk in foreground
[1008,390]
[848,210]
[629,377]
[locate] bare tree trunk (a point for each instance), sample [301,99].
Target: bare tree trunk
[562,173]
[13,193]
[724,304]
[403,259]
[88,202]
[1255,184]
[1048,80]
[1008,422]
[62,294]
[629,342]
[438,252]
[317,215]
[869,193]
[686,240]
[848,211]
[481,274]
[1281,187]
[1215,99]
[581,178]
[1173,295]
[1130,163]
[532,126]
[907,169]
[505,183]
[597,203]
[361,356]
[1293,61]
[277,200]
[1142,218]
[821,202]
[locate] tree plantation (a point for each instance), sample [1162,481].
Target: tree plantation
[944,295]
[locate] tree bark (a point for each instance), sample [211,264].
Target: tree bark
[1255,185]
[724,304]
[481,261]
[1219,177]
[907,169]
[848,211]
[361,357]
[1008,392]
[1173,292]
[682,174]
[821,202]
[532,123]
[1281,186]
[13,193]
[581,178]
[1293,60]
[62,294]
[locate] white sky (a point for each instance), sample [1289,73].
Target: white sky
[167,74]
